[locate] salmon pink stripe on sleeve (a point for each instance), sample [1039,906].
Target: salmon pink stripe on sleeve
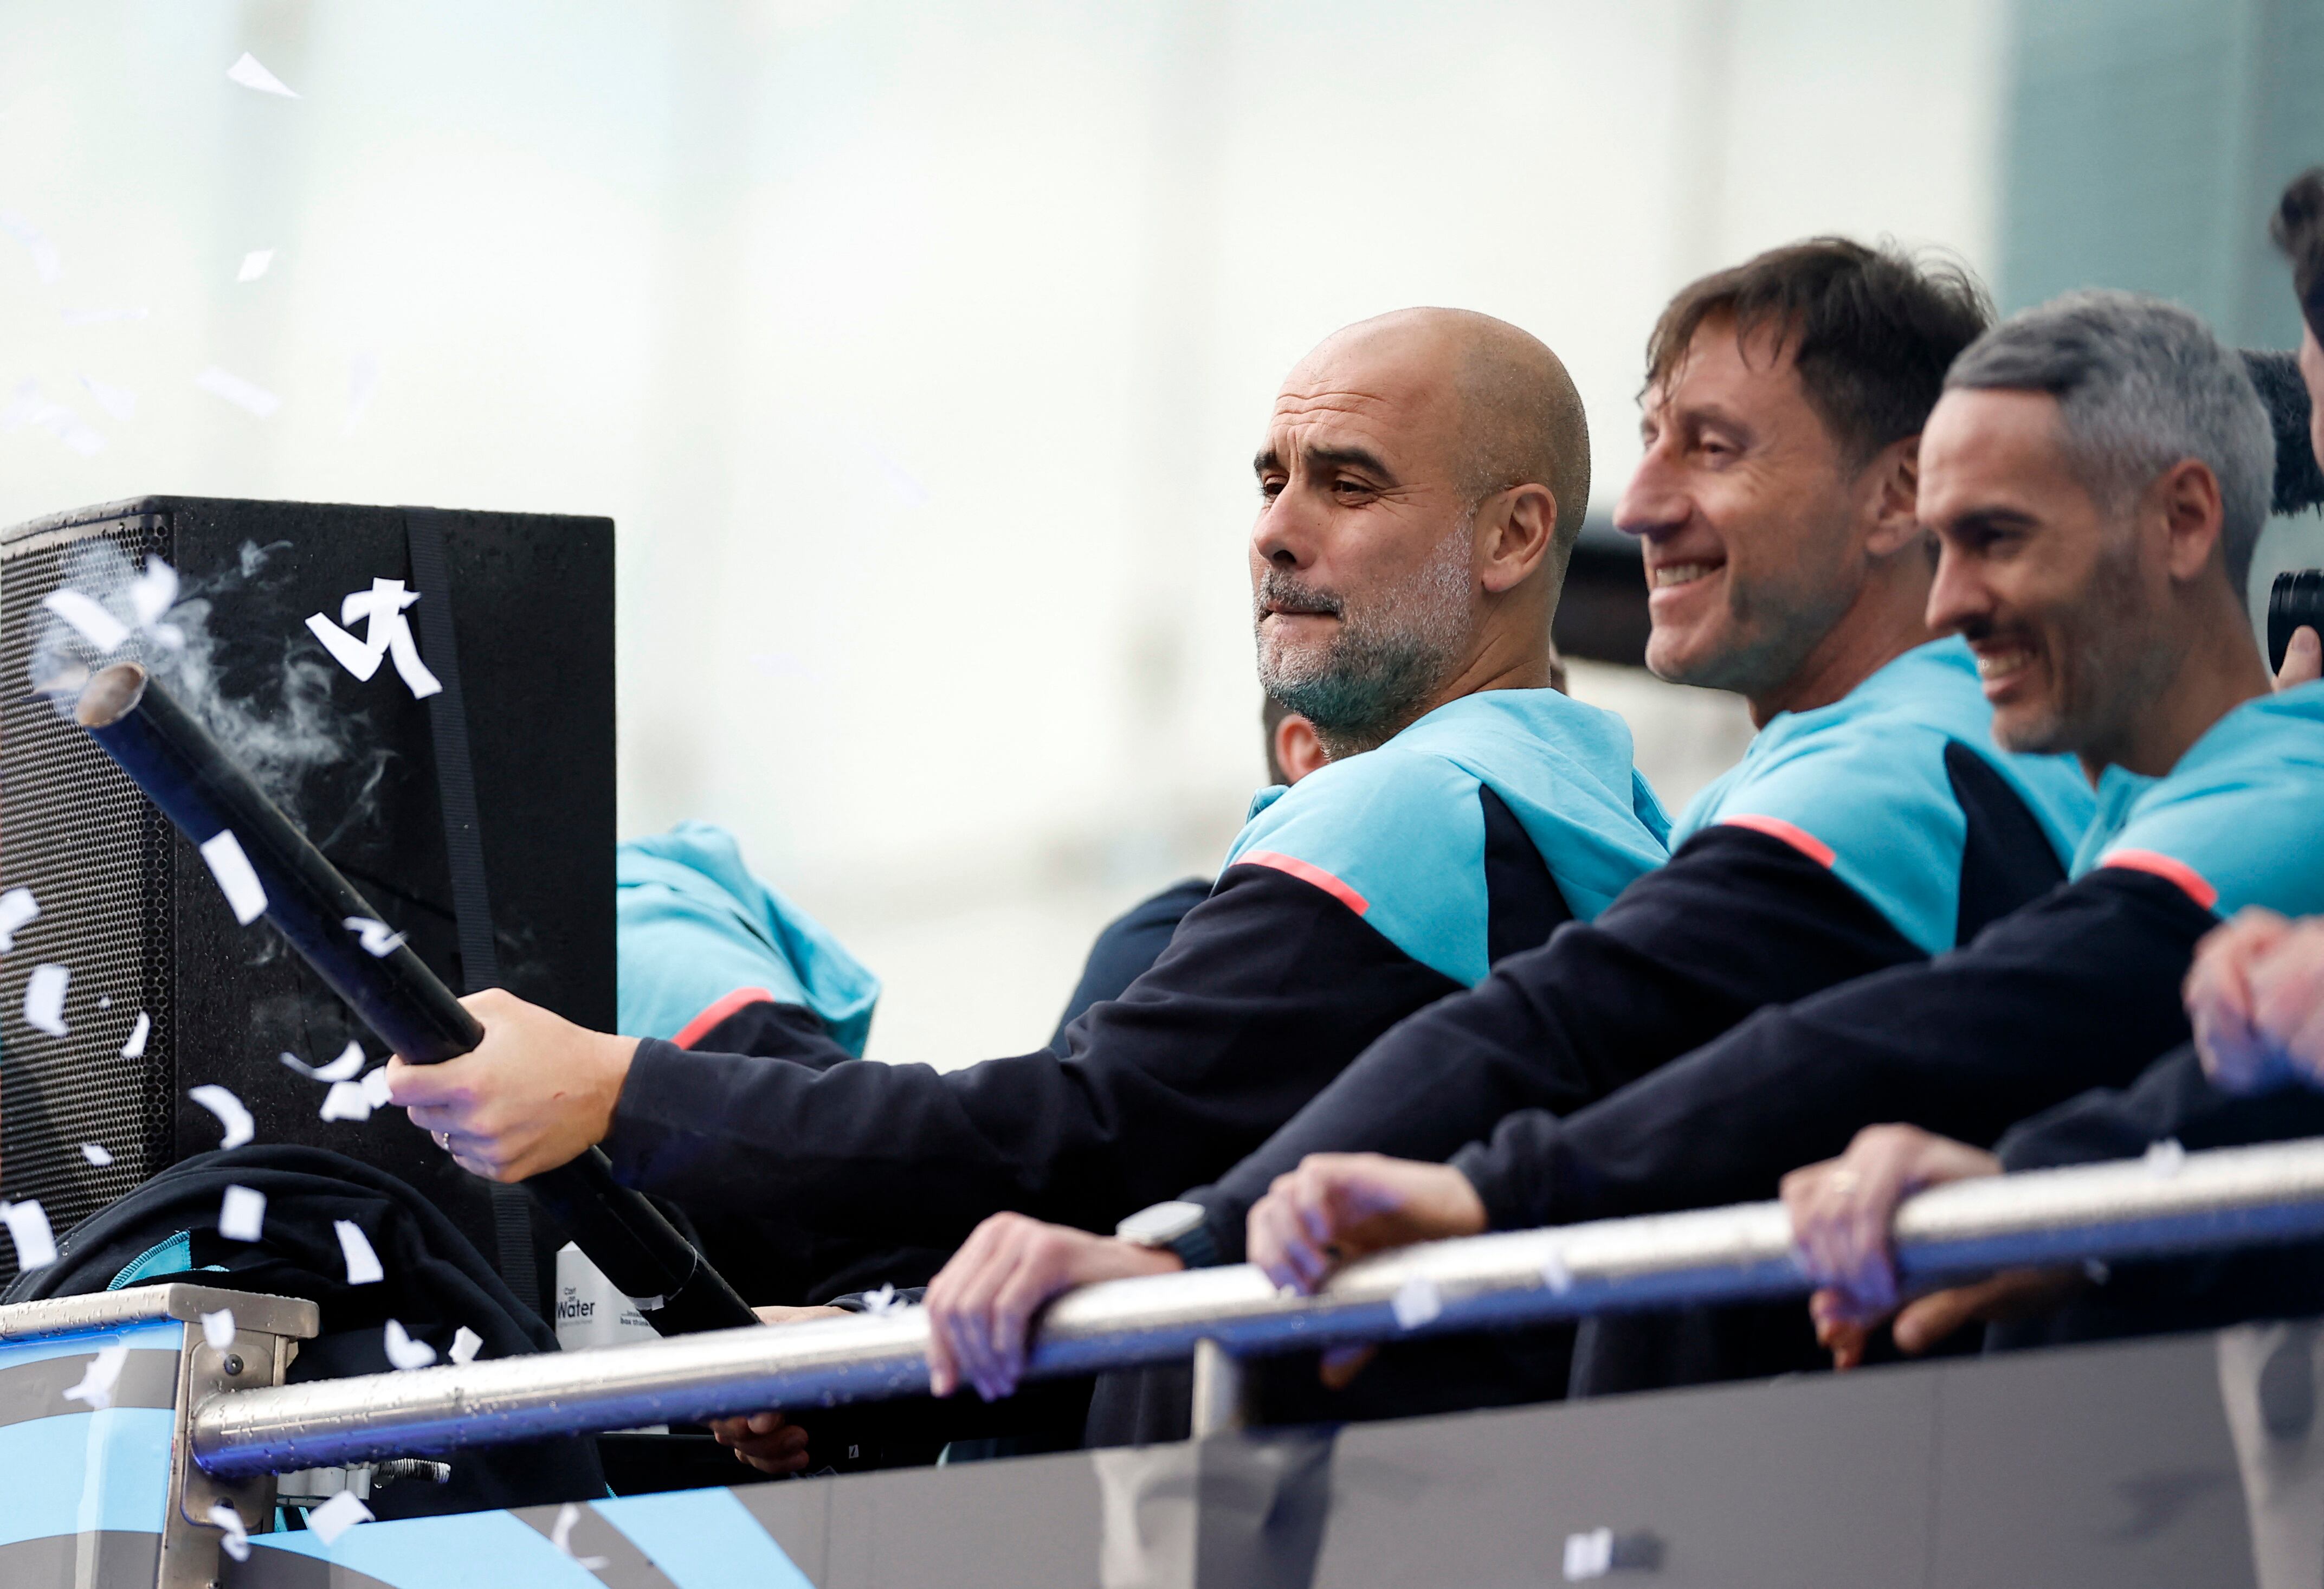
[1307,871]
[696,1030]
[1798,837]
[2168,867]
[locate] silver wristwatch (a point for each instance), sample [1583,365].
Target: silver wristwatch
[1176,1226]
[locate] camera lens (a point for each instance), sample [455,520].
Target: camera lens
[2295,600]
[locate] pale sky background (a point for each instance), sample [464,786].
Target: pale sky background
[918,349]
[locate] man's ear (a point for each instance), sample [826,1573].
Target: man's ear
[2188,495]
[1515,531]
[1297,750]
[1893,477]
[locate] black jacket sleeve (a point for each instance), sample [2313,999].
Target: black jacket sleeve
[2078,991]
[1129,947]
[2173,1101]
[1735,920]
[1266,989]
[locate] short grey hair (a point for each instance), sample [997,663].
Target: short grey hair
[2141,384]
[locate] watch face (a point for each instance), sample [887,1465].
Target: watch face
[1161,1224]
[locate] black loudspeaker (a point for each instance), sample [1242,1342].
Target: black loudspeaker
[130,909]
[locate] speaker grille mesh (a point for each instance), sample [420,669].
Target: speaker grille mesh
[99,860]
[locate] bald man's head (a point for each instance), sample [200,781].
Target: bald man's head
[1423,476]
[1511,415]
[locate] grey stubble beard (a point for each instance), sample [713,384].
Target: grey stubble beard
[1369,682]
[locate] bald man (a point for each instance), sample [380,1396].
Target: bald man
[1421,483]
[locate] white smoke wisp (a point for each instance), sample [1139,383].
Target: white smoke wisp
[279,747]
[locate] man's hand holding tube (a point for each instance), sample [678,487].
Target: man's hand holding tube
[1842,1211]
[539,1092]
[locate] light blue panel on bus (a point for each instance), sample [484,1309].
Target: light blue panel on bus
[697,1538]
[90,1471]
[73,1470]
[703,1539]
[474,1550]
[160,1334]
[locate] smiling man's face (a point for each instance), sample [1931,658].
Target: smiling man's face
[1744,509]
[2048,587]
[1363,587]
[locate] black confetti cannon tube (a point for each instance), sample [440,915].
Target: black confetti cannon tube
[184,771]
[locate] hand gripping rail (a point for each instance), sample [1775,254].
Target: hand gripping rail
[2230,1197]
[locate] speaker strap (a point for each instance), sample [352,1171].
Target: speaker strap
[464,847]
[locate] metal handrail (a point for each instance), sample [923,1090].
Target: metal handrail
[2164,1205]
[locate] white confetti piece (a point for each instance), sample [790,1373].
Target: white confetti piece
[244,394]
[235,880]
[254,265]
[98,316]
[241,1213]
[44,999]
[47,263]
[251,75]
[1589,1556]
[346,1101]
[104,1001]
[2164,1158]
[345,1068]
[1416,1302]
[99,1378]
[363,383]
[236,1543]
[362,1263]
[97,1154]
[374,1087]
[386,632]
[153,592]
[403,1351]
[377,941]
[336,1516]
[405,653]
[2095,1270]
[349,653]
[228,1108]
[18,909]
[560,1534]
[89,617]
[117,401]
[376,608]
[882,1301]
[465,1345]
[28,1227]
[900,480]
[28,407]
[134,1049]
[217,1328]
[1555,1274]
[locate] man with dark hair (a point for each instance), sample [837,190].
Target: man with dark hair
[1872,824]
[2097,472]
[1421,483]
